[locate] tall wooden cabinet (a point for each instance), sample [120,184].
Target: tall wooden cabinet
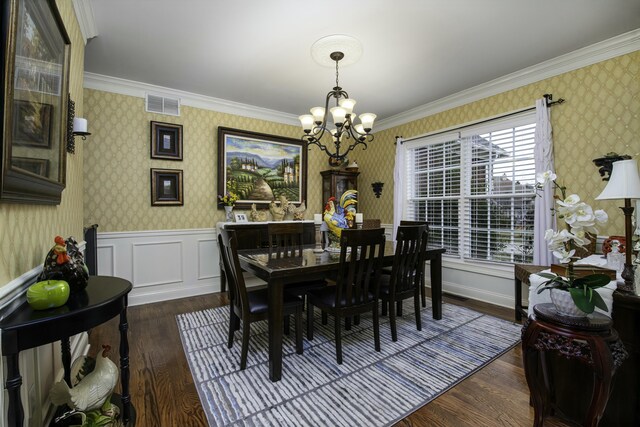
[335,182]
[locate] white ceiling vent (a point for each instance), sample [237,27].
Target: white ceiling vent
[163,104]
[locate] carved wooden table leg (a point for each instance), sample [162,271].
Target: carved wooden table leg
[14,381]
[124,366]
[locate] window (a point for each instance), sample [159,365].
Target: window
[476,187]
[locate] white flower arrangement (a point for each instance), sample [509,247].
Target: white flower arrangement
[579,217]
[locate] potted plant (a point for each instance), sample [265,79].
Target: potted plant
[228,200]
[572,296]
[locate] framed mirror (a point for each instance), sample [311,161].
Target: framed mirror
[35,87]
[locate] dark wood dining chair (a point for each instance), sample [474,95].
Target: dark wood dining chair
[249,307]
[357,284]
[423,290]
[285,241]
[405,278]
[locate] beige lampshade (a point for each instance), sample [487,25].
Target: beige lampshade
[624,182]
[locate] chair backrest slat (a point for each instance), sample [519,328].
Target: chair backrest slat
[361,255]
[285,239]
[406,222]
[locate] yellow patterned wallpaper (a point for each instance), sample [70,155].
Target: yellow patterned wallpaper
[28,230]
[600,115]
[117,164]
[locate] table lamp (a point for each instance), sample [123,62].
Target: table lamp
[624,183]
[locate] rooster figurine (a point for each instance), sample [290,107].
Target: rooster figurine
[341,215]
[277,212]
[256,215]
[93,390]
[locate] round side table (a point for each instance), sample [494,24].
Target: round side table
[591,340]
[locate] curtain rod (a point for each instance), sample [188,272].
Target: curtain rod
[547,96]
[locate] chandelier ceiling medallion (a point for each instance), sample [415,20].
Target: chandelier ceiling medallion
[345,134]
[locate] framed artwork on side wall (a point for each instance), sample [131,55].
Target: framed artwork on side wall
[35,85]
[166,187]
[259,168]
[166,141]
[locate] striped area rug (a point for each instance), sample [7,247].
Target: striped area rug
[368,389]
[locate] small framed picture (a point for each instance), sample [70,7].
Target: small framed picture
[240,217]
[166,187]
[166,141]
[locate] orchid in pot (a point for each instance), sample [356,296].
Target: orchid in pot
[580,219]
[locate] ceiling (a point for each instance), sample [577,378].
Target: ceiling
[257,52]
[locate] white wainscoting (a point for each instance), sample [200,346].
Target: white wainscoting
[161,264]
[169,264]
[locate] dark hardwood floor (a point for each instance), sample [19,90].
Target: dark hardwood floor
[164,395]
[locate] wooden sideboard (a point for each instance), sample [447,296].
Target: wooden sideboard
[252,235]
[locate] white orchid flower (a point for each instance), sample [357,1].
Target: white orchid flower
[571,200]
[563,255]
[601,216]
[544,177]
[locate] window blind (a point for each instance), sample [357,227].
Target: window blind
[476,189]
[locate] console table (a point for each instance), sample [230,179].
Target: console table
[24,328]
[591,341]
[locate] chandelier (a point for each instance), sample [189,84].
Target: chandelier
[346,133]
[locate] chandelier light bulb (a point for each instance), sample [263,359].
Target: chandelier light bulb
[360,129]
[367,121]
[347,104]
[338,114]
[307,122]
[318,114]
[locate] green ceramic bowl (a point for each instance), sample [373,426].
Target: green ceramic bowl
[48,294]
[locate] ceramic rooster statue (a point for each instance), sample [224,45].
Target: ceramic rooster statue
[256,215]
[277,212]
[93,390]
[340,215]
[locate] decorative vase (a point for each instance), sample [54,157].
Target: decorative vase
[228,210]
[564,304]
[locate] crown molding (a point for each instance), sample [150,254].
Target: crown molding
[139,90]
[607,49]
[86,19]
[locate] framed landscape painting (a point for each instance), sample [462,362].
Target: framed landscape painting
[260,168]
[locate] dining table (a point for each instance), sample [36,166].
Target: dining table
[278,272]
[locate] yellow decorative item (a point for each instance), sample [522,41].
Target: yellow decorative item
[48,294]
[341,215]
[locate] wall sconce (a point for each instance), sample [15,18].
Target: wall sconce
[76,126]
[377,188]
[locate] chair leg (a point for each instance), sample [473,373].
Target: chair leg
[347,323]
[325,318]
[399,308]
[338,332]
[232,325]
[246,330]
[299,330]
[376,327]
[287,324]
[392,320]
[356,319]
[423,292]
[384,307]
[309,322]
[416,307]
